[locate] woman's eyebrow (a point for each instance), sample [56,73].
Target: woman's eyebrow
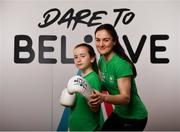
[103,38]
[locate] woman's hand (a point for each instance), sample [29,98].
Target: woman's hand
[95,100]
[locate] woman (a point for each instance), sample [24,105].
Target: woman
[118,78]
[82,118]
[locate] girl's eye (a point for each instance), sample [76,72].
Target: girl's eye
[97,40]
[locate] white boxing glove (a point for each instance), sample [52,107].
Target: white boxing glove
[80,85]
[67,99]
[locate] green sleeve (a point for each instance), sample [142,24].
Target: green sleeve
[124,69]
[95,83]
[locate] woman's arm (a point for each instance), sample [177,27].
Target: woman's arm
[124,86]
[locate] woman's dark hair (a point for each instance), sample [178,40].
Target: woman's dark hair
[91,53]
[117,48]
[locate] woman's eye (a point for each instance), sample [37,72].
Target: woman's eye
[106,40]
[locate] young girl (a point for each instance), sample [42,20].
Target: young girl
[82,118]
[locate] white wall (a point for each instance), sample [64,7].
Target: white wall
[178,64]
[29,93]
[1,66]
